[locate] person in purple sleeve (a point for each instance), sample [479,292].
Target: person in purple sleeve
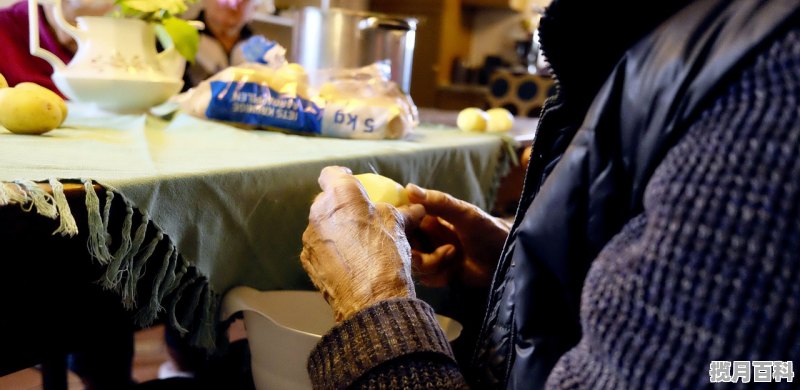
[657,241]
[17,64]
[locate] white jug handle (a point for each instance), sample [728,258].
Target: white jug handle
[33,31]
[240,298]
[171,62]
[164,38]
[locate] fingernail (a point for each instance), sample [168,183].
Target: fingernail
[416,191]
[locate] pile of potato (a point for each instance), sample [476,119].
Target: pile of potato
[29,108]
[494,120]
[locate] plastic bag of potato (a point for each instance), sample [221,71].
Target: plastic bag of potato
[257,96]
[364,103]
[354,103]
[29,108]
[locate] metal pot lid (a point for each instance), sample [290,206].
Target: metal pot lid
[372,19]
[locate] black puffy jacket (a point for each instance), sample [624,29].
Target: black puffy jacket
[617,113]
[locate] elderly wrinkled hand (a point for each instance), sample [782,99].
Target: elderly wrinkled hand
[455,240]
[356,252]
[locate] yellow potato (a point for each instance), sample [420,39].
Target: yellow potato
[500,120]
[50,94]
[27,111]
[328,91]
[3,82]
[295,68]
[245,75]
[472,119]
[291,79]
[383,189]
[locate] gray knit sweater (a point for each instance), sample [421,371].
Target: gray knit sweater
[709,271]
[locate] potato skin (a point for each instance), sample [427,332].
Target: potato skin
[27,111]
[52,95]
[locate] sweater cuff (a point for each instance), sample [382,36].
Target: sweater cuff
[375,335]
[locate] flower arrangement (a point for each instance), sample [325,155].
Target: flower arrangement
[169,27]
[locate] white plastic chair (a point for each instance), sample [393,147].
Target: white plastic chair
[282,329]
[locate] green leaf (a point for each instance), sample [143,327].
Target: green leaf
[184,36]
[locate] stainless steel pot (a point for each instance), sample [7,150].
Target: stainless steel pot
[340,38]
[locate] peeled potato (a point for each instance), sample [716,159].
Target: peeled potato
[50,94]
[3,82]
[383,189]
[500,120]
[472,119]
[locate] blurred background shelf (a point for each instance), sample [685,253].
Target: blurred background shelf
[273,19]
[459,45]
[487,3]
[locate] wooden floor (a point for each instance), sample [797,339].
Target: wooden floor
[151,352]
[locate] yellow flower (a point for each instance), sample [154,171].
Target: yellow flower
[174,7]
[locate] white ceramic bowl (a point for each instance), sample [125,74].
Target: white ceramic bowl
[115,95]
[282,329]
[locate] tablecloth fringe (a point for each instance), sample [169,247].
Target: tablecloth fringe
[98,237]
[67,226]
[192,303]
[189,310]
[12,193]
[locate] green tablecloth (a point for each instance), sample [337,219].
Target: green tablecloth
[235,202]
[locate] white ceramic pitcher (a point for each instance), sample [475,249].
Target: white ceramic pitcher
[116,66]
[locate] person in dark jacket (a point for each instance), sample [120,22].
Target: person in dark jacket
[657,242]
